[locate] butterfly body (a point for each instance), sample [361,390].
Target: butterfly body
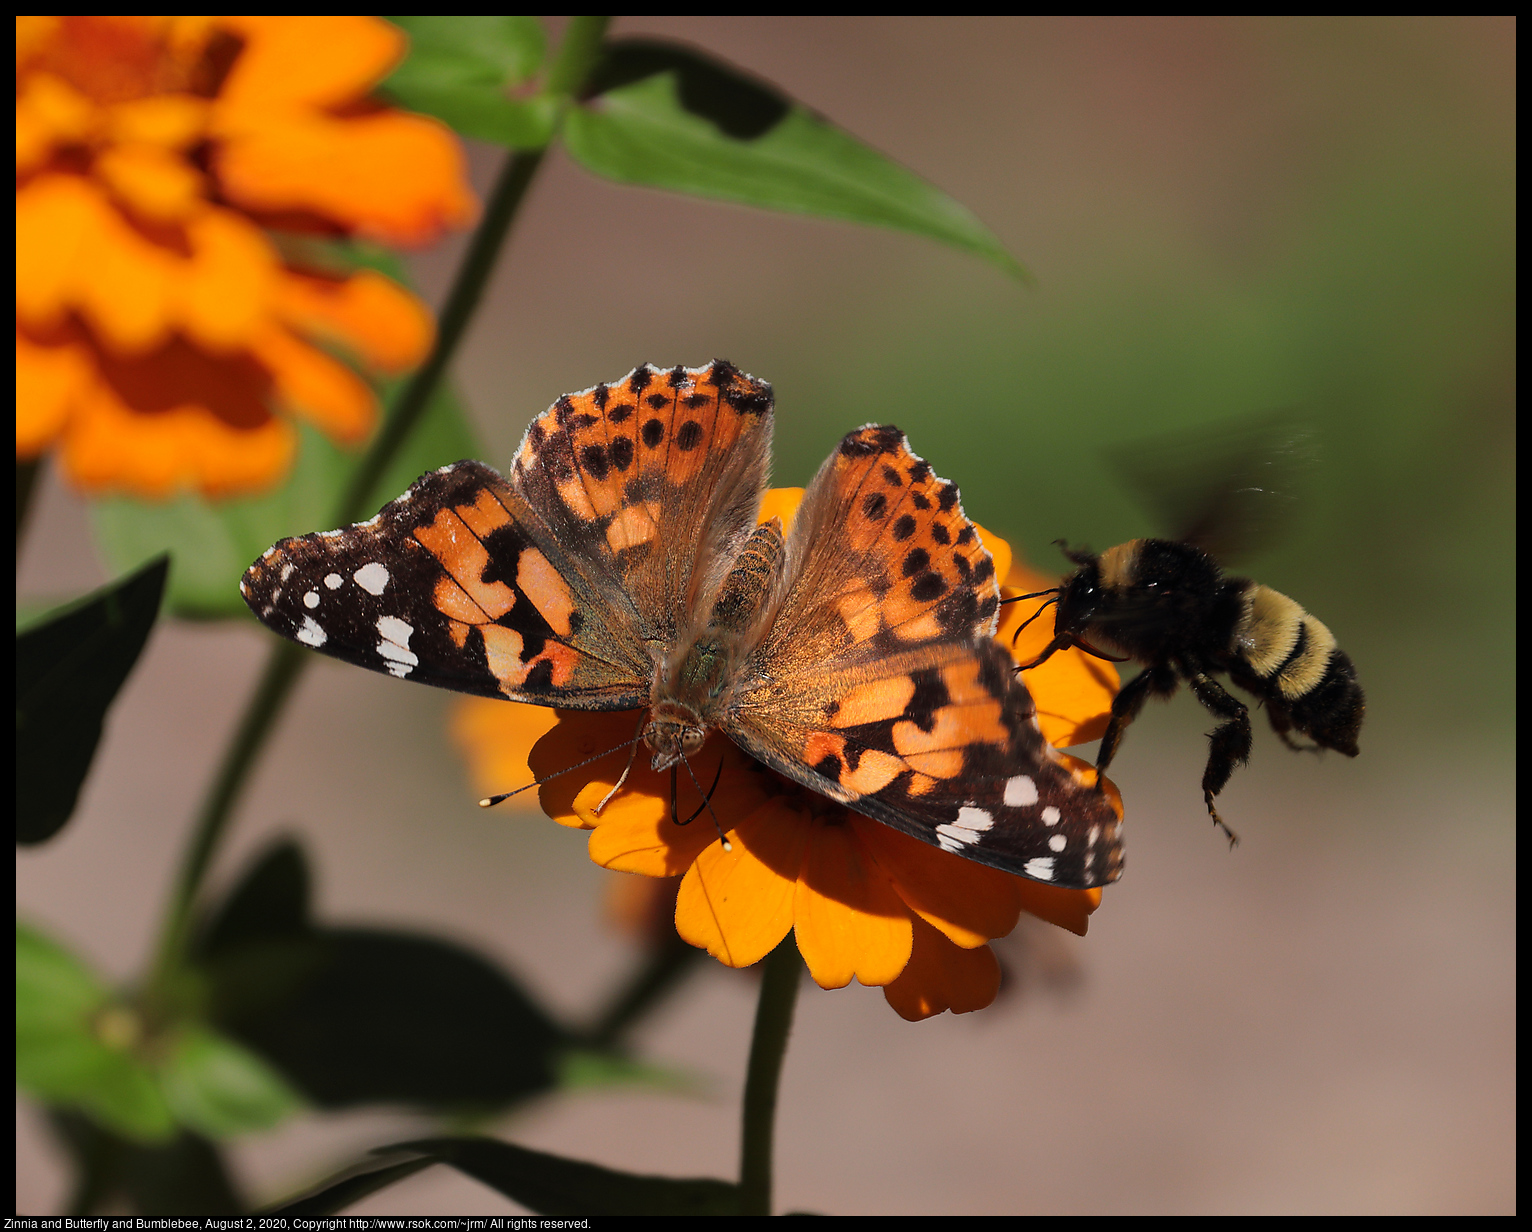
[620,566]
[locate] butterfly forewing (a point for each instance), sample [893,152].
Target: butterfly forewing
[454,584]
[652,481]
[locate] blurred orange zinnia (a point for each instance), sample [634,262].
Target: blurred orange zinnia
[863,900]
[158,323]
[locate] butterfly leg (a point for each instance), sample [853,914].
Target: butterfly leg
[1229,742]
[1157,680]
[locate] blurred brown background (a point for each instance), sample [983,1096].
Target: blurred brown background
[1225,216]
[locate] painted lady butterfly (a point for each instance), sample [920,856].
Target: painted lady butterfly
[621,567]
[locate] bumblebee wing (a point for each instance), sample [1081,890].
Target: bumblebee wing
[1231,489]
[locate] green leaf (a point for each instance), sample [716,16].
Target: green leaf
[220,1088]
[547,1184]
[583,1067]
[74,1046]
[215,543]
[385,1017]
[69,668]
[690,124]
[463,70]
[353,1016]
[384,1168]
[185,1176]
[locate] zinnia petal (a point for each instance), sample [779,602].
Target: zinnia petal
[940,976]
[323,61]
[496,738]
[848,919]
[970,902]
[739,904]
[50,381]
[378,320]
[394,177]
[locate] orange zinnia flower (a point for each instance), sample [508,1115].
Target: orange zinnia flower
[158,323]
[863,900]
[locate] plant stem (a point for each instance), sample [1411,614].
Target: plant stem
[773,1021]
[283,668]
[576,56]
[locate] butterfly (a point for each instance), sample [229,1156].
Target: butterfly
[620,566]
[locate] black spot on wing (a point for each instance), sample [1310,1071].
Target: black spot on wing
[599,396]
[689,437]
[916,560]
[904,527]
[621,452]
[653,432]
[930,696]
[641,378]
[874,505]
[959,611]
[657,401]
[620,413]
[594,459]
[928,586]
[829,766]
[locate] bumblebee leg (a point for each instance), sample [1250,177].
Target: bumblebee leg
[1282,724]
[1156,681]
[1229,742]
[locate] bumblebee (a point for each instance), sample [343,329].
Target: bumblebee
[1228,489]
[1168,605]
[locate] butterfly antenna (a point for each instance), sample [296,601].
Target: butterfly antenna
[623,777]
[491,801]
[1036,594]
[707,800]
[1041,609]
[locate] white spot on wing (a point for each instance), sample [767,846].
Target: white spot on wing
[1095,833]
[373,578]
[333,580]
[1041,868]
[311,600]
[1020,791]
[971,818]
[287,570]
[1050,816]
[1057,843]
[311,634]
[970,824]
[394,645]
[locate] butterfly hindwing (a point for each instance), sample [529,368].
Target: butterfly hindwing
[454,584]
